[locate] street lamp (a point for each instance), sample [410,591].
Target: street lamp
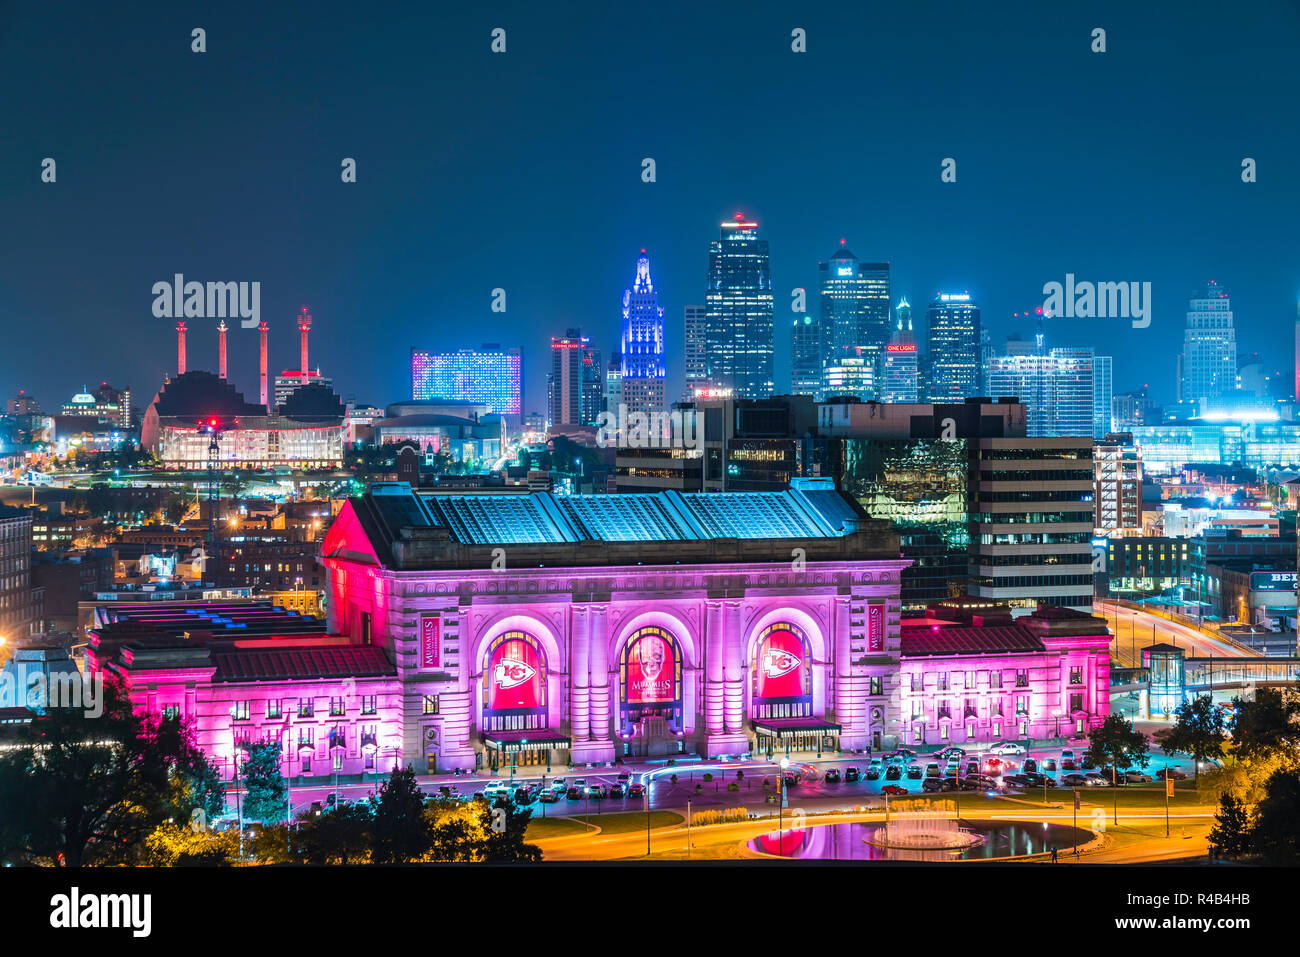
[780,807]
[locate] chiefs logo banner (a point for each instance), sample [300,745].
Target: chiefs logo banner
[782,664]
[515,676]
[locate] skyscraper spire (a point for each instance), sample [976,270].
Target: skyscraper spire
[180,348]
[643,343]
[221,348]
[304,326]
[261,330]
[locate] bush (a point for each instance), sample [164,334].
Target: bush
[733,786]
[707,777]
[728,816]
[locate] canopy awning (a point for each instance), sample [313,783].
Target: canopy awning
[789,727]
[536,740]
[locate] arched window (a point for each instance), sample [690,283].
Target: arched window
[650,678]
[514,683]
[782,673]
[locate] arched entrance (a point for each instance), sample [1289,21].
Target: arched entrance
[514,717]
[651,721]
[781,694]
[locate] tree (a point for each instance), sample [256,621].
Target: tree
[1267,724]
[264,792]
[1198,731]
[504,827]
[400,830]
[82,788]
[340,835]
[1276,834]
[172,845]
[1116,741]
[1231,835]
[194,780]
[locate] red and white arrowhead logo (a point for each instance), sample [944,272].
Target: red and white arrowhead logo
[777,663]
[511,673]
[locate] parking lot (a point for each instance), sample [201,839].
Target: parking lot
[845,781]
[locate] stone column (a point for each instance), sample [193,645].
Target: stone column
[580,673]
[714,651]
[734,669]
[599,657]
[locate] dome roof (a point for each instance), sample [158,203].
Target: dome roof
[200,394]
[313,401]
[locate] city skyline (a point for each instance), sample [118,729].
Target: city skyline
[1021,212]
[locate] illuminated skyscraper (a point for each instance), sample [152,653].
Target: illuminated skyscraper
[566,381]
[696,349]
[954,346]
[490,374]
[1209,362]
[900,370]
[643,343]
[854,308]
[807,353]
[739,312]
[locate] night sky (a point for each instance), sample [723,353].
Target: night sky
[523,171]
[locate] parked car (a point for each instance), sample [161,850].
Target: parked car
[892,773]
[1030,766]
[1008,747]
[977,782]
[1067,764]
[791,780]
[851,774]
[1110,774]
[893,789]
[914,772]
[495,789]
[597,792]
[524,795]
[952,751]
[1072,780]
[932,770]
[930,785]
[581,784]
[574,793]
[951,771]
[832,776]
[1086,762]
[1015,781]
[615,790]
[1067,755]
[972,767]
[548,797]
[1138,777]
[636,790]
[624,778]
[1049,765]
[1174,773]
[1094,780]
[559,785]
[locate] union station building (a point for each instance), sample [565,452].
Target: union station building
[541,629]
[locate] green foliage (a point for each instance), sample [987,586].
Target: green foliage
[264,791]
[726,816]
[1267,724]
[173,845]
[1276,833]
[1198,732]
[341,835]
[400,830]
[1231,835]
[1117,740]
[80,789]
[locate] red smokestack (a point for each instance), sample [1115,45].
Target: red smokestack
[262,330]
[221,348]
[180,348]
[304,325]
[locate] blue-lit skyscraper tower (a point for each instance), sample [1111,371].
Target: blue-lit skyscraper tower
[738,346]
[643,344]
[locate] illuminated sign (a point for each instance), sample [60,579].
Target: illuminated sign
[900,347]
[844,271]
[875,628]
[515,678]
[430,641]
[781,663]
[651,669]
[955,297]
[1272,581]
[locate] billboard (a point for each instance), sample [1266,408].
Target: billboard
[516,674]
[1272,581]
[652,668]
[875,628]
[430,641]
[781,663]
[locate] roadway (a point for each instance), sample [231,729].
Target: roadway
[1135,630]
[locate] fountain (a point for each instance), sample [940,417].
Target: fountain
[924,832]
